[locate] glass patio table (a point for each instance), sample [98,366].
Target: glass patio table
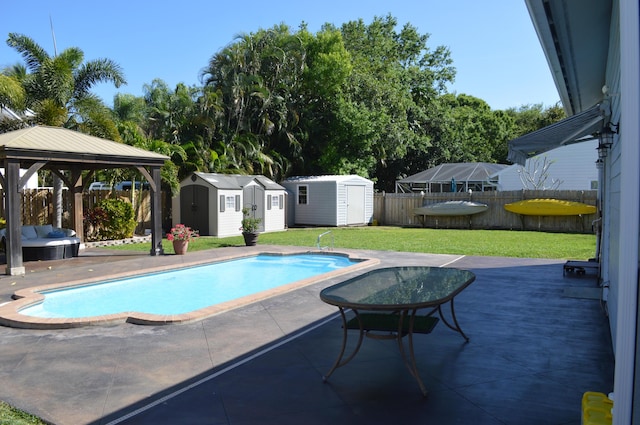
[386,304]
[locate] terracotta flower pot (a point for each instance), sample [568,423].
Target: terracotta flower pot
[180,247]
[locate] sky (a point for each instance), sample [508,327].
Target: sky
[493,43]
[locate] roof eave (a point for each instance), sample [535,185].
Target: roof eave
[38,155]
[564,28]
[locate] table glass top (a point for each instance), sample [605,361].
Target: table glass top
[401,287]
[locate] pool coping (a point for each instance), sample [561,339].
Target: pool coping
[10,312]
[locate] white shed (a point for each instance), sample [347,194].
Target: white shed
[329,200]
[212,203]
[570,167]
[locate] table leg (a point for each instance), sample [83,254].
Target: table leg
[411,361]
[339,362]
[456,325]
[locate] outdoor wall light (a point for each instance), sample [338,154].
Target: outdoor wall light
[606,139]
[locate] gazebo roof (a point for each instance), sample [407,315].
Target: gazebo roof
[62,145]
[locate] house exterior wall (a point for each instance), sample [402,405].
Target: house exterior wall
[573,165]
[626,159]
[612,193]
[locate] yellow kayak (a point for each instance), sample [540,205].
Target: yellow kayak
[549,207]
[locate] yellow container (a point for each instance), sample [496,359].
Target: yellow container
[596,417]
[596,409]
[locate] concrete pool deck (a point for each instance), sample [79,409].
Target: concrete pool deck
[533,352]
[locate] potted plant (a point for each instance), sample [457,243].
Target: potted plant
[180,235]
[249,227]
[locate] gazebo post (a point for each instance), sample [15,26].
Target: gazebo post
[77,215]
[156,213]
[14,220]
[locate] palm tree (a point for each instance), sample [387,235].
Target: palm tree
[58,89]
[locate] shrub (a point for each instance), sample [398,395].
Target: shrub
[120,221]
[94,221]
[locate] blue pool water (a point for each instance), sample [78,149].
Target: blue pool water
[185,290]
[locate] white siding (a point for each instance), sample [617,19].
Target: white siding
[574,165]
[327,200]
[274,217]
[321,208]
[230,219]
[341,205]
[625,331]
[613,189]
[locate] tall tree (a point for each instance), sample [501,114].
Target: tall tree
[395,74]
[529,118]
[258,79]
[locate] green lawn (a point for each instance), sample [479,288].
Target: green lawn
[500,243]
[12,416]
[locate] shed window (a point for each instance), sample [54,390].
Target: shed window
[274,202]
[230,202]
[303,194]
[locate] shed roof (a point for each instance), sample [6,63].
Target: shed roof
[325,178]
[461,172]
[237,181]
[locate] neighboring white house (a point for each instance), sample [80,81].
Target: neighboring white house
[31,183]
[593,50]
[330,200]
[570,167]
[213,203]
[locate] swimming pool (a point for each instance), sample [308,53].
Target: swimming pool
[174,296]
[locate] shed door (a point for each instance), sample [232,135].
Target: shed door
[194,208]
[254,200]
[355,204]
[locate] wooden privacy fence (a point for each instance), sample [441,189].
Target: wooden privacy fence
[38,206]
[396,209]
[389,209]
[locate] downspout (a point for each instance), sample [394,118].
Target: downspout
[600,202]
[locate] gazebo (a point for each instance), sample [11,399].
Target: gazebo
[74,157]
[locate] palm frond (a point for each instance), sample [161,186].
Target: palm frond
[97,71]
[31,52]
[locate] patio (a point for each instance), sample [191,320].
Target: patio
[538,341]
